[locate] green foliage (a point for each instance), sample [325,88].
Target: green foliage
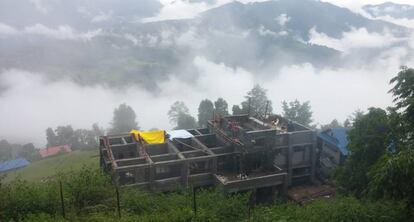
[51,138]
[298,112]
[21,198]
[403,92]
[65,135]
[393,177]
[258,102]
[205,112]
[177,109]
[368,141]
[180,116]
[221,107]
[237,110]
[46,169]
[87,188]
[124,119]
[140,202]
[5,150]
[77,139]
[185,121]
[211,205]
[29,152]
[339,209]
[333,124]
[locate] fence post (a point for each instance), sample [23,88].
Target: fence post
[117,201]
[194,201]
[61,199]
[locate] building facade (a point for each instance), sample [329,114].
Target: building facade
[234,153]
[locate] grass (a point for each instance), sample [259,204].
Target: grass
[43,169]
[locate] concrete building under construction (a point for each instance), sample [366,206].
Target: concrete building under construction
[234,153]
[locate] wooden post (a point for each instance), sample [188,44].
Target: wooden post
[118,205]
[194,201]
[61,200]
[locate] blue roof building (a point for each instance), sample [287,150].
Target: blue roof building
[13,164]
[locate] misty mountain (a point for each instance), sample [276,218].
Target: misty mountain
[109,44]
[398,11]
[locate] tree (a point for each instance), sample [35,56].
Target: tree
[347,123]
[403,93]
[221,107]
[237,110]
[333,124]
[176,110]
[97,131]
[179,116]
[51,138]
[85,139]
[5,150]
[65,135]
[29,152]
[368,141]
[124,119]
[205,112]
[185,121]
[258,101]
[298,112]
[393,177]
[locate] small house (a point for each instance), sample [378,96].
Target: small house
[53,151]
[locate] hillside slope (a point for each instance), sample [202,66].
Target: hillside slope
[46,168]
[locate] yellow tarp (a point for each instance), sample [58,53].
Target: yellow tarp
[151,137]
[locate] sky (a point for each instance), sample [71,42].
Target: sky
[31,103]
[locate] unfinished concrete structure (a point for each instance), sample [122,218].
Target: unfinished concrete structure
[235,153]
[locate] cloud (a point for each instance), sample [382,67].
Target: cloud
[131,38]
[409,23]
[62,32]
[101,17]
[178,9]
[7,30]
[266,32]
[40,6]
[283,19]
[354,39]
[32,103]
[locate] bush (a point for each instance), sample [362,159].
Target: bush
[21,198]
[340,209]
[88,190]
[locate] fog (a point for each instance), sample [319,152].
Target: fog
[30,102]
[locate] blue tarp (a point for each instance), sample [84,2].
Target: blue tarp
[13,164]
[336,137]
[183,134]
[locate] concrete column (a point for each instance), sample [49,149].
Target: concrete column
[289,160]
[214,165]
[151,177]
[185,173]
[313,157]
[137,174]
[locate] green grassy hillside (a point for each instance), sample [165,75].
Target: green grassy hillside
[46,168]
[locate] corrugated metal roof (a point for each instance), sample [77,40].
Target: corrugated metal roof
[51,151]
[337,137]
[13,164]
